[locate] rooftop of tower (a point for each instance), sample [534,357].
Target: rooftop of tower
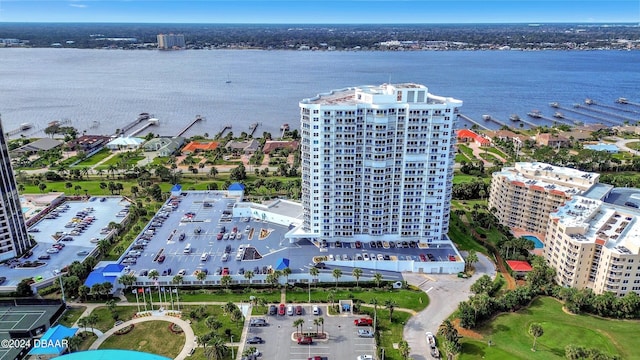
[385,93]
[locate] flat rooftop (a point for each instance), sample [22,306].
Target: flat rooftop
[196,219]
[44,233]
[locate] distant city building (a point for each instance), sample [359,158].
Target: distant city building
[171,41]
[377,163]
[524,195]
[14,239]
[595,245]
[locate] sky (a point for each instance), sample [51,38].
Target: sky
[321,12]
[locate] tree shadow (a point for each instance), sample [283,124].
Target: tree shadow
[473,349]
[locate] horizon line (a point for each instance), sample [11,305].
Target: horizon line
[327,23]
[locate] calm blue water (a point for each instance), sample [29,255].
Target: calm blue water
[101,90]
[536,241]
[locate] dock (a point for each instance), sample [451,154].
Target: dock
[464,117]
[23,127]
[609,120]
[491,118]
[193,122]
[150,122]
[626,101]
[538,115]
[516,118]
[252,128]
[617,108]
[565,120]
[591,103]
[221,132]
[142,117]
[557,106]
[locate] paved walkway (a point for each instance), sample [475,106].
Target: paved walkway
[189,337]
[445,293]
[622,145]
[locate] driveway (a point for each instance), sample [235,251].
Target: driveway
[445,293]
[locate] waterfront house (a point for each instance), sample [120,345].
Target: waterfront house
[551,140]
[248,147]
[197,146]
[164,146]
[270,146]
[88,143]
[466,136]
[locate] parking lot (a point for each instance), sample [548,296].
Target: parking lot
[343,342]
[78,225]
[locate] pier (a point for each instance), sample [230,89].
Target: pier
[617,108]
[142,117]
[23,127]
[252,128]
[464,117]
[626,101]
[565,120]
[491,118]
[221,132]
[193,122]
[557,106]
[558,119]
[611,121]
[590,103]
[150,122]
[516,118]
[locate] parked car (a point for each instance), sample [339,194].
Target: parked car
[44,257]
[298,310]
[258,322]
[161,258]
[290,310]
[255,340]
[363,322]
[365,333]
[182,272]
[305,340]
[281,309]
[273,309]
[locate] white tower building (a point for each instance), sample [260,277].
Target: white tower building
[377,163]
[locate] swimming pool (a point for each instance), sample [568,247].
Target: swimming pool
[25,210]
[536,241]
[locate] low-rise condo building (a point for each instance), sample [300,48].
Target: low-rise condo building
[525,194]
[593,244]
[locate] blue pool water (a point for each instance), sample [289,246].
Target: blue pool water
[536,241]
[24,210]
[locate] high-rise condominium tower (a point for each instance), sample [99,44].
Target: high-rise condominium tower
[377,163]
[14,239]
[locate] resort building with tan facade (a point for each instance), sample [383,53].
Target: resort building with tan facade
[524,195]
[596,245]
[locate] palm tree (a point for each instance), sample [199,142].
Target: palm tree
[374,302]
[357,272]
[177,279]
[103,246]
[212,323]
[217,349]
[153,274]
[298,324]
[225,280]
[201,276]
[317,322]
[82,322]
[390,305]
[248,275]
[74,342]
[377,277]
[83,291]
[236,316]
[321,322]
[449,332]
[337,273]
[286,272]
[314,272]
[535,330]
[404,348]
[229,307]
[92,320]
[471,259]
[450,348]
[127,280]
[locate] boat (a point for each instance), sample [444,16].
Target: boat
[535,114]
[558,115]
[25,126]
[284,127]
[622,100]
[589,101]
[486,117]
[514,117]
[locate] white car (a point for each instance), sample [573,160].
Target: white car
[365,256]
[53,251]
[380,257]
[365,357]
[365,333]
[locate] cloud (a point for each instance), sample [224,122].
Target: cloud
[82,6]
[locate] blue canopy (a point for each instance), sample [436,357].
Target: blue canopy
[282,263]
[52,342]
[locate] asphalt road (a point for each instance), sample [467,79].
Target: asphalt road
[445,293]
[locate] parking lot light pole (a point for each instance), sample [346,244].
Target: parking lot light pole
[232,355]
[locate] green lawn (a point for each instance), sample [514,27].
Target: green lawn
[150,336]
[70,316]
[498,152]
[106,321]
[510,339]
[460,178]
[409,299]
[461,236]
[199,325]
[467,151]
[96,158]
[219,296]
